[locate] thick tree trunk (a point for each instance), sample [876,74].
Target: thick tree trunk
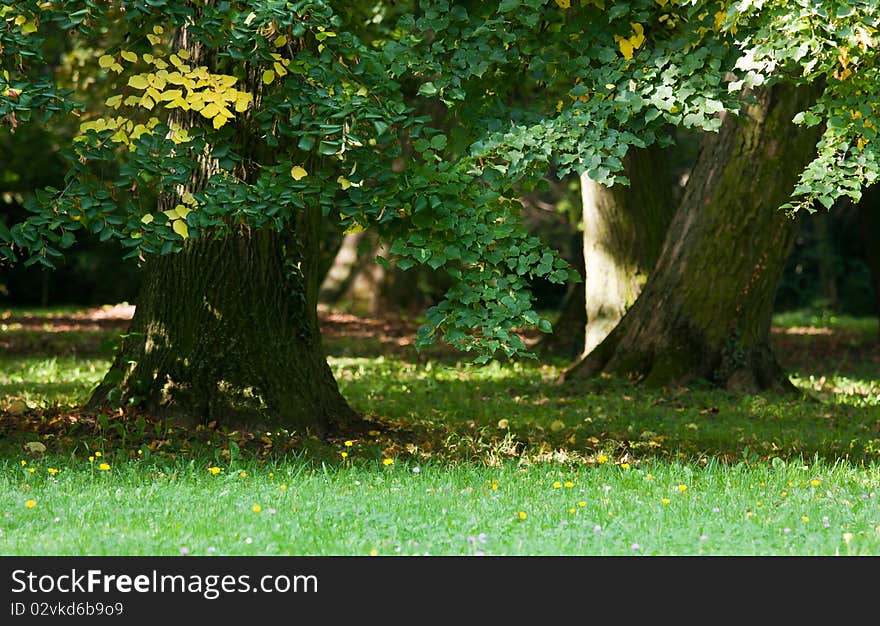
[869,217]
[705,311]
[227,328]
[224,330]
[623,232]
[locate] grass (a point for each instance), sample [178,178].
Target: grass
[497,460]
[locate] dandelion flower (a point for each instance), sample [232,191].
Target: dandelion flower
[569,484]
[104,467]
[23,462]
[387,461]
[374,552]
[494,485]
[847,537]
[140,451]
[582,503]
[256,508]
[344,455]
[52,471]
[243,474]
[214,470]
[805,519]
[30,504]
[601,459]
[349,443]
[31,470]
[571,510]
[98,453]
[682,487]
[650,476]
[283,487]
[557,485]
[815,483]
[665,500]
[624,466]
[522,515]
[271,474]
[91,459]
[784,494]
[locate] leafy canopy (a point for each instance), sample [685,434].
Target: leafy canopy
[425,122]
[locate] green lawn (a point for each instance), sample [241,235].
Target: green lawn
[491,460]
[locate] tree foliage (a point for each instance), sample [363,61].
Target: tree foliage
[521,84]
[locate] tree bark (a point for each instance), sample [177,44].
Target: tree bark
[624,228]
[705,311]
[227,329]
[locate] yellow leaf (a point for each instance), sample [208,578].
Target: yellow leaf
[131,57]
[138,81]
[171,94]
[179,227]
[279,69]
[626,49]
[210,110]
[171,214]
[182,211]
[343,182]
[113,101]
[219,121]
[149,58]
[564,4]
[158,29]
[183,54]
[639,38]
[662,3]
[242,101]
[354,228]
[19,20]
[146,219]
[153,39]
[268,77]
[298,172]
[187,196]
[280,41]
[105,61]
[29,28]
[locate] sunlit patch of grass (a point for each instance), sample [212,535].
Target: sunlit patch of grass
[49,381]
[812,319]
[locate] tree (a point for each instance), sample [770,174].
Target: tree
[705,311]
[250,122]
[624,228]
[869,218]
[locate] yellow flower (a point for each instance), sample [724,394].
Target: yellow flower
[256,508]
[784,494]
[494,485]
[682,487]
[98,453]
[104,467]
[140,451]
[30,504]
[582,503]
[665,500]
[601,459]
[815,483]
[847,537]
[374,552]
[571,510]
[805,519]
[283,487]
[91,459]
[650,476]
[349,443]
[31,470]
[569,484]
[271,474]
[522,515]
[52,471]
[23,462]
[214,470]
[557,485]
[749,513]
[790,484]
[387,461]
[243,474]
[344,455]
[624,466]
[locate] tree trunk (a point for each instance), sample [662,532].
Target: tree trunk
[227,329]
[869,217]
[224,330]
[705,311]
[623,232]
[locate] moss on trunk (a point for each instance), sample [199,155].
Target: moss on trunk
[705,311]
